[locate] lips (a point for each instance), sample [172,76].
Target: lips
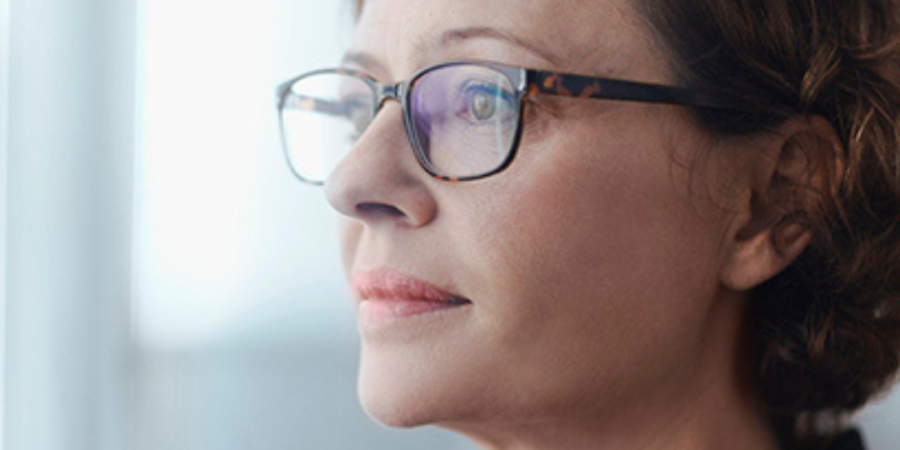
[388,295]
[389,284]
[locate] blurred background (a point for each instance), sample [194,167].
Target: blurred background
[164,281]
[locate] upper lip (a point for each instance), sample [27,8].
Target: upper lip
[394,285]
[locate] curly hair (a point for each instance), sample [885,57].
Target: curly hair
[827,329]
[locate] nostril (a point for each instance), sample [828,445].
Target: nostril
[378,209]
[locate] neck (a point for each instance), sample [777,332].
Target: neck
[711,408]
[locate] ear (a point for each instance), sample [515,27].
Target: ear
[792,166]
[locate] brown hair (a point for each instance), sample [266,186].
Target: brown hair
[827,329]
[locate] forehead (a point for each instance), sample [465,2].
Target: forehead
[591,36]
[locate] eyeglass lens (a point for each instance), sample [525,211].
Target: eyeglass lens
[462,118]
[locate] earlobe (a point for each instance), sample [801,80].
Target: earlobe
[754,260]
[805,160]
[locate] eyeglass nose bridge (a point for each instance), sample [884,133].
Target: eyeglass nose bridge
[385,92]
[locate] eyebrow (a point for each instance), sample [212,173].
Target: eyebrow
[370,62]
[363,60]
[462,34]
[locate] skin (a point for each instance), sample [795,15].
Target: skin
[608,266]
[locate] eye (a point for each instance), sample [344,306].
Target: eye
[482,106]
[484,102]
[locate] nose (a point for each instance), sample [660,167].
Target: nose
[379,181]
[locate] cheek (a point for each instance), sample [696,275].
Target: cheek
[601,260]
[596,215]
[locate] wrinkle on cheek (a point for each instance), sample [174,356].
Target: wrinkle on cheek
[526,237]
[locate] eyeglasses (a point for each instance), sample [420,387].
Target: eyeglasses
[463,119]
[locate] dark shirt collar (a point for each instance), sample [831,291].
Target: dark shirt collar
[850,440]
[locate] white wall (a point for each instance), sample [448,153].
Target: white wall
[4,151]
[69,187]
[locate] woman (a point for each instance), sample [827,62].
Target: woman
[702,256]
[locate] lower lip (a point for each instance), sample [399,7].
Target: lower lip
[383,311]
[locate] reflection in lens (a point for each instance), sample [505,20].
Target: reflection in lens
[322,116]
[464,118]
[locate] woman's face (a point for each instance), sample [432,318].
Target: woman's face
[590,263]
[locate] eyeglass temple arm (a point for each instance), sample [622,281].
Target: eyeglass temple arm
[307,103]
[589,87]
[291,100]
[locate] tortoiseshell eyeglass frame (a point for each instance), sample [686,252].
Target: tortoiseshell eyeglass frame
[527,81]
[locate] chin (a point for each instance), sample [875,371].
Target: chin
[392,411]
[395,402]
[402,391]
